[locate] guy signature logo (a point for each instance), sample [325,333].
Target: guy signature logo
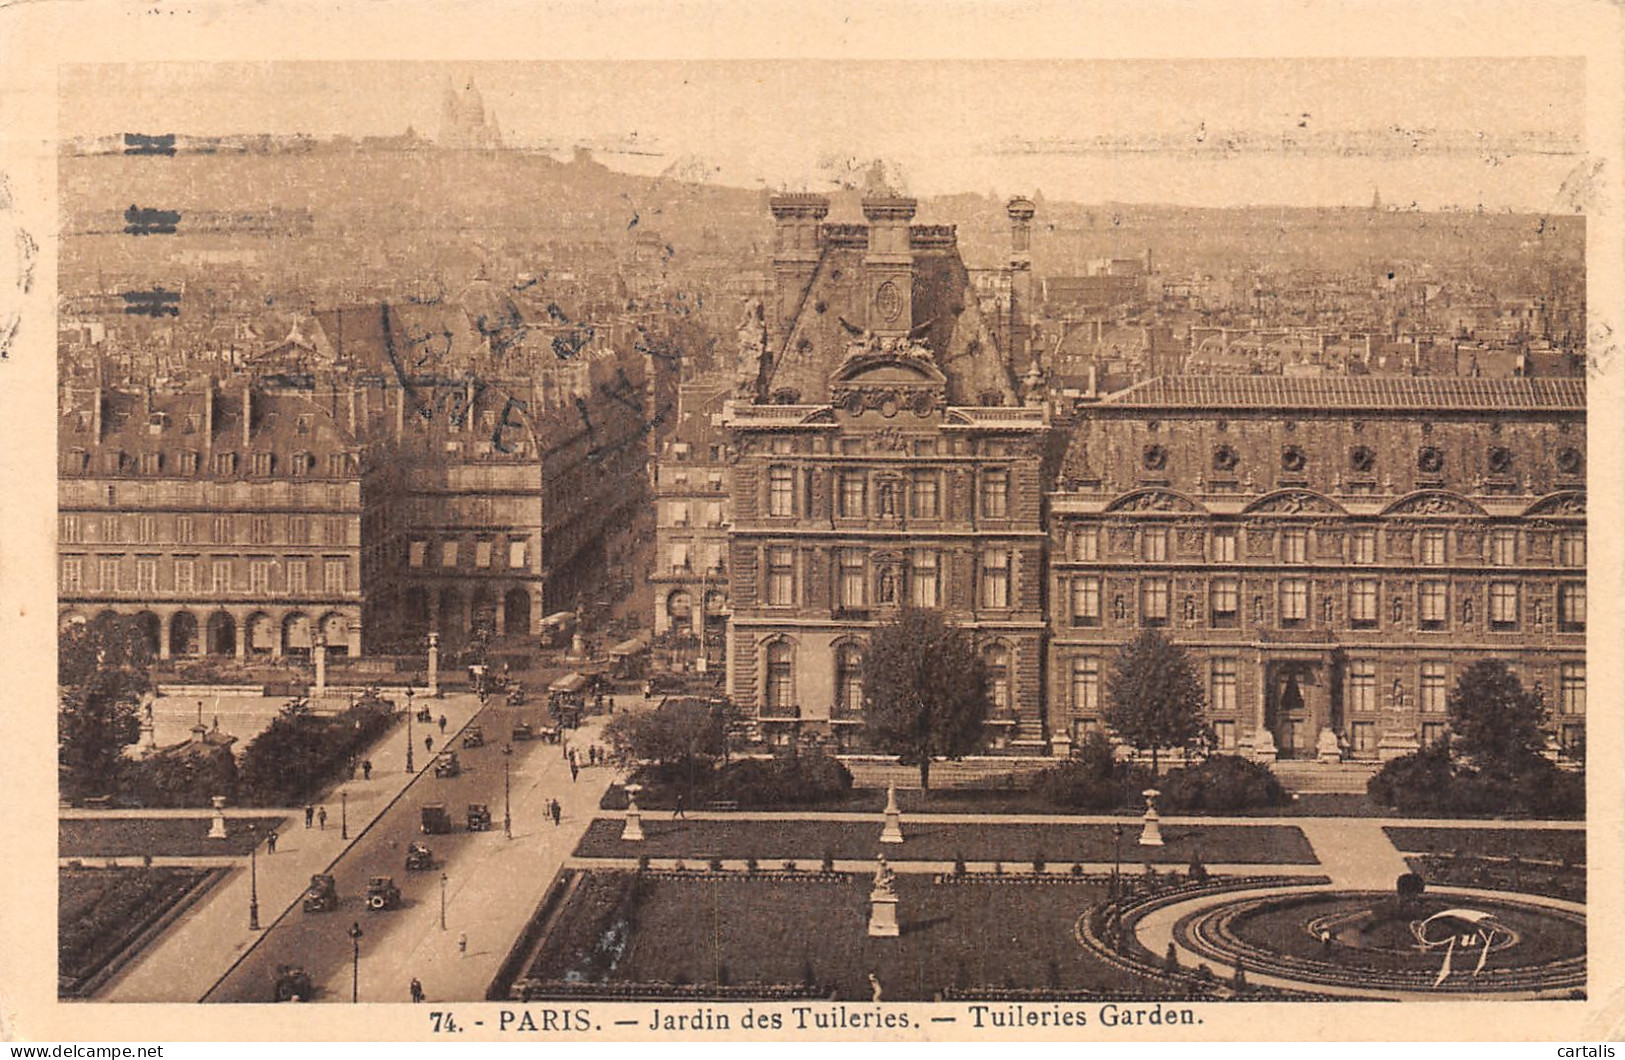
[1450,929]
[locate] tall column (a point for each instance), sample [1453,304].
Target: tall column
[241,643]
[1264,749]
[355,638]
[434,664]
[165,628]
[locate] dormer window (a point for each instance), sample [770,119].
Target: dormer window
[152,463]
[225,463]
[264,463]
[194,423]
[338,464]
[301,465]
[156,422]
[303,425]
[188,461]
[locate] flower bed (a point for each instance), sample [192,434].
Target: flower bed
[104,914]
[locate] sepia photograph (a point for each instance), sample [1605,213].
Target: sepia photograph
[865,547]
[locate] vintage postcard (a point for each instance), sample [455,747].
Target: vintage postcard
[535,524]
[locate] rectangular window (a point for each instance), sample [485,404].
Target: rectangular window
[1571,688]
[1086,545]
[679,513]
[72,575]
[259,576]
[1432,604]
[333,576]
[185,576]
[1504,547]
[1154,544]
[781,492]
[1224,545]
[222,529]
[448,553]
[185,532]
[679,557]
[416,553]
[482,554]
[220,576]
[1363,603]
[995,494]
[259,530]
[1362,686]
[1294,602]
[852,594]
[1086,601]
[1432,732]
[996,578]
[1571,607]
[299,529]
[1503,606]
[923,495]
[1224,598]
[1222,686]
[516,555]
[1154,602]
[1224,733]
[1434,675]
[923,581]
[298,576]
[1430,548]
[70,528]
[1086,685]
[108,571]
[1363,738]
[146,529]
[713,557]
[334,532]
[854,494]
[110,529]
[1571,548]
[1295,545]
[713,513]
[1363,546]
[781,577]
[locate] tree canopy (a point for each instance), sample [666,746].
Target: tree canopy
[1494,721]
[1154,696]
[101,674]
[925,690]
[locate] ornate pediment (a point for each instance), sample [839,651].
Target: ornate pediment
[1295,502]
[1154,500]
[890,375]
[1433,502]
[1569,502]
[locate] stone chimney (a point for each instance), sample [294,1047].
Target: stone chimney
[208,413]
[1021,211]
[248,415]
[889,266]
[796,248]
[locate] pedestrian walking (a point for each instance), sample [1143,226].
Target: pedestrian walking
[417,992]
[575,771]
[428,744]
[310,816]
[462,944]
[366,769]
[443,722]
[270,843]
[557,811]
[678,811]
[321,818]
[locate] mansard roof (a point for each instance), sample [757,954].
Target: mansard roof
[1425,393]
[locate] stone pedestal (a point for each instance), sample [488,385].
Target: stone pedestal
[1151,834]
[319,650]
[434,664]
[632,831]
[217,827]
[1397,743]
[1264,749]
[882,914]
[892,832]
[1060,746]
[578,647]
[1327,748]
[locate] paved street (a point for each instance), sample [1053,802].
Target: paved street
[492,883]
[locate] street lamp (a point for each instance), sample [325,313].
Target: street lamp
[1117,858]
[507,813]
[355,963]
[344,814]
[409,712]
[442,901]
[253,880]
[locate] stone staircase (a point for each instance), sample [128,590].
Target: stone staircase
[1323,778]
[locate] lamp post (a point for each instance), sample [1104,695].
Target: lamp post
[355,962]
[442,901]
[507,809]
[253,880]
[409,712]
[344,814]
[1117,858]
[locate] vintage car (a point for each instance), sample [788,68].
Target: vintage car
[473,736]
[523,731]
[290,984]
[435,819]
[516,694]
[419,858]
[448,766]
[382,893]
[479,817]
[322,896]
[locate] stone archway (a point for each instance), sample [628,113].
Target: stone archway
[151,628]
[183,631]
[516,611]
[297,634]
[335,629]
[260,634]
[222,634]
[483,611]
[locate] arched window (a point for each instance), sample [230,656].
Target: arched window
[780,677]
[997,659]
[849,678]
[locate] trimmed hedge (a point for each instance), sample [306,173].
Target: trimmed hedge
[301,753]
[1222,783]
[1093,779]
[1432,781]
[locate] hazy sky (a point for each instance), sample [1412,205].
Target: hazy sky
[1497,132]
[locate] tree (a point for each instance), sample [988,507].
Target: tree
[1154,697]
[682,732]
[1495,723]
[101,676]
[925,690]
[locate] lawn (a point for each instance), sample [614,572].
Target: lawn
[101,912]
[176,837]
[1554,881]
[1563,845]
[734,930]
[774,841]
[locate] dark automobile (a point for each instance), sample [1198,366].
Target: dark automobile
[448,766]
[382,893]
[322,896]
[290,984]
[479,817]
[436,821]
[523,731]
[419,858]
[473,736]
